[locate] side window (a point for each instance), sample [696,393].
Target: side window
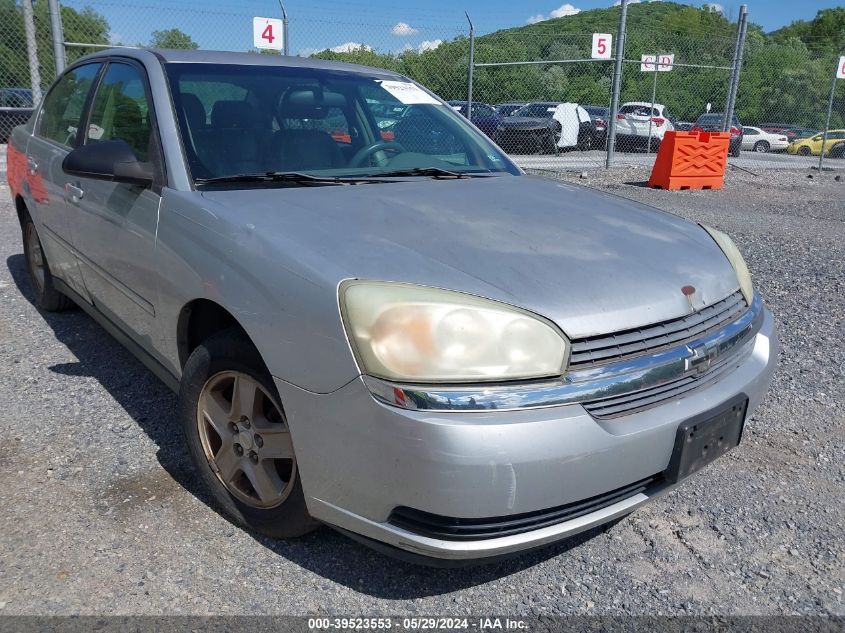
[120,110]
[63,106]
[749,131]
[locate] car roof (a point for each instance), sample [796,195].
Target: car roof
[243,59]
[643,103]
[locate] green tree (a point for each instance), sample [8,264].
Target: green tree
[85,26]
[172,38]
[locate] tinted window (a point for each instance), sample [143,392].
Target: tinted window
[16,98]
[536,110]
[638,110]
[481,109]
[750,131]
[63,106]
[120,110]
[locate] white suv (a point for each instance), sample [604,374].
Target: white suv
[633,120]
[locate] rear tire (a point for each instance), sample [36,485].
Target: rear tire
[47,298]
[761,147]
[244,440]
[736,151]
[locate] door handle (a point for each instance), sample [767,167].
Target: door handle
[31,164]
[74,192]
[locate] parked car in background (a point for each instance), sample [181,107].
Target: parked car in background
[775,127]
[837,150]
[533,130]
[412,341]
[484,116]
[15,109]
[636,120]
[600,116]
[507,109]
[712,122]
[760,141]
[813,145]
[797,133]
[683,126]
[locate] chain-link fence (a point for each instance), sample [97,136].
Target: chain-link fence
[535,89]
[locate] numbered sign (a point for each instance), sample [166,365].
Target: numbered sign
[267,33]
[601,45]
[840,70]
[652,63]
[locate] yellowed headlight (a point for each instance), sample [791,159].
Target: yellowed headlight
[414,333]
[736,259]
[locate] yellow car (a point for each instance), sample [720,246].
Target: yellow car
[813,145]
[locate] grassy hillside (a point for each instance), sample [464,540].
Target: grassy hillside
[786,74]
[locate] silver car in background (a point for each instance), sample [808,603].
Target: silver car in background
[390,330]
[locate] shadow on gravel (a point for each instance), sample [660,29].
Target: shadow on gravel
[325,552]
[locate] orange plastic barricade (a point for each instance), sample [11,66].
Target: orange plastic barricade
[691,160]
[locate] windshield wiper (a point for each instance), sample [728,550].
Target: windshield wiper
[295,177]
[431,172]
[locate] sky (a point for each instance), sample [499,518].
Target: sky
[385,25]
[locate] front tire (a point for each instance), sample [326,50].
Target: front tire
[47,298]
[761,147]
[239,439]
[804,151]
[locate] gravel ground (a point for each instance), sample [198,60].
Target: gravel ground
[101,514]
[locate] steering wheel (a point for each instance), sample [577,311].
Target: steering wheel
[365,152]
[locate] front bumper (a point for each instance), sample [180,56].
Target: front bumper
[360,459]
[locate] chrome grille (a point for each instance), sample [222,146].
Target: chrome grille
[651,397]
[606,348]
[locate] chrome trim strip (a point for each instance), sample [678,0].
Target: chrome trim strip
[595,383]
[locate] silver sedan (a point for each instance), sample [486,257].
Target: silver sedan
[380,322]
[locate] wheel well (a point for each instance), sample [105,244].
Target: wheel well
[198,320]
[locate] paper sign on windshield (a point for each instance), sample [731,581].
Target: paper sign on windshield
[408,93]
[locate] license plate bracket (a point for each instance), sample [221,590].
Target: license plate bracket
[706,437]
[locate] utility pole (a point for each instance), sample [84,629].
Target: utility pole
[57,31]
[736,67]
[617,81]
[31,51]
[285,45]
[471,66]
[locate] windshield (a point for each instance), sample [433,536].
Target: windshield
[537,110]
[244,119]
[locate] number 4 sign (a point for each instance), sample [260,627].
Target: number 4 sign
[840,70]
[601,45]
[267,33]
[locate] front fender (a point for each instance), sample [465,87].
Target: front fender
[287,308]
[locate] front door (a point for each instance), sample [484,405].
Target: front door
[115,223]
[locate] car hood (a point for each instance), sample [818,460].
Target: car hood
[524,123]
[592,262]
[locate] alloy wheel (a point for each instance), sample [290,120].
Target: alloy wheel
[246,439]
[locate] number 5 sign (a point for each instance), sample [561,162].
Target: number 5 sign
[267,33]
[601,45]
[840,70]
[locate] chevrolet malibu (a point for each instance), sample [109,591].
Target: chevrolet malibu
[406,338]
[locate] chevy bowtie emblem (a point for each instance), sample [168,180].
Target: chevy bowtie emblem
[689,293]
[701,359]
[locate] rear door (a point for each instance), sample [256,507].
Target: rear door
[56,133]
[115,223]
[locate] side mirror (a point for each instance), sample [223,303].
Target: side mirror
[108,160]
